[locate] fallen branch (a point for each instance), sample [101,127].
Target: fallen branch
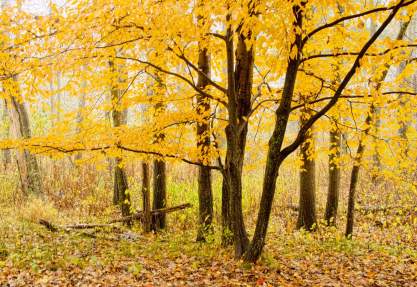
[372,209]
[55,228]
[139,215]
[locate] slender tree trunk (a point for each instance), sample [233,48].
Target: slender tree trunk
[81,106]
[121,194]
[7,156]
[307,206]
[354,177]
[205,195]
[334,178]
[159,193]
[146,198]
[361,146]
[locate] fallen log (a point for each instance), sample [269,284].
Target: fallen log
[373,209]
[139,215]
[365,209]
[54,228]
[48,225]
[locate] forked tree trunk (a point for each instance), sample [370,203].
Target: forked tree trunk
[159,193]
[333,190]
[146,198]
[307,206]
[240,78]
[274,157]
[205,196]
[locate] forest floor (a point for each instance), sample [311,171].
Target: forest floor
[31,255]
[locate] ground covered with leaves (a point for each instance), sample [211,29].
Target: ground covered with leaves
[30,255]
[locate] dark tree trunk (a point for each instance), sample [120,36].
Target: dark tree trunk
[121,196]
[121,188]
[240,78]
[159,194]
[307,206]
[274,156]
[334,178]
[227,236]
[352,189]
[205,196]
[146,198]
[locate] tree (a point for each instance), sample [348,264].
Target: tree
[333,190]
[307,207]
[146,197]
[277,154]
[121,194]
[205,195]
[376,87]
[19,118]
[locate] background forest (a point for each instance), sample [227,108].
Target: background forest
[208,143]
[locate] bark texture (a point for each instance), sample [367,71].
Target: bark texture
[121,196]
[27,163]
[146,198]
[333,190]
[205,194]
[159,194]
[307,205]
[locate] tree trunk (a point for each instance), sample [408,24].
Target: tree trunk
[159,193]
[307,205]
[227,236]
[121,188]
[121,194]
[146,198]
[240,78]
[274,156]
[7,156]
[27,164]
[80,117]
[361,146]
[205,195]
[352,188]
[333,190]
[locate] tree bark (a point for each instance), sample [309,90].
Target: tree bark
[274,156]
[7,156]
[27,164]
[159,193]
[121,194]
[146,198]
[307,206]
[205,195]
[353,183]
[240,78]
[333,190]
